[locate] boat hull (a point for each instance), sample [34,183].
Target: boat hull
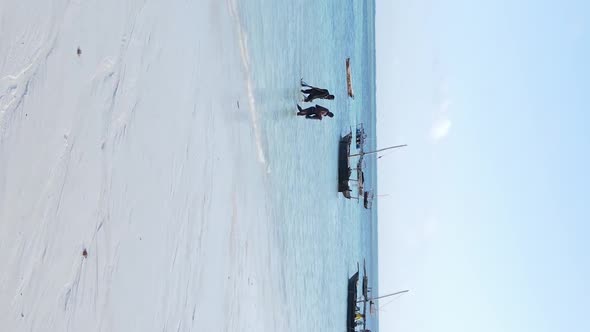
[351,302]
[344,170]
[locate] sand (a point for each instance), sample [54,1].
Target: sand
[132,177]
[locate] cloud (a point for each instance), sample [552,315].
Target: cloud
[440,129]
[442,123]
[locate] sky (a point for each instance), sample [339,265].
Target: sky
[487,213]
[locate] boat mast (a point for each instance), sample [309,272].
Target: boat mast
[382,296]
[371,152]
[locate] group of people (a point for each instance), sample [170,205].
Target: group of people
[316,112]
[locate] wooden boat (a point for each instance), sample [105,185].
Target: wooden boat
[349,79]
[351,308]
[367,200]
[360,178]
[344,169]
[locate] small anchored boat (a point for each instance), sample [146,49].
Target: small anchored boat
[351,307]
[344,170]
[349,79]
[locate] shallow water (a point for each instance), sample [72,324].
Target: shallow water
[321,235]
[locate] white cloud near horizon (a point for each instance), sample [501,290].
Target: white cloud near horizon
[442,125]
[440,129]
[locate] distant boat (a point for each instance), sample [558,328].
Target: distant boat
[360,178]
[365,281]
[351,302]
[355,317]
[349,79]
[344,164]
[361,136]
[365,295]
[360,174]
[371,300]
[368,200]
[344,170]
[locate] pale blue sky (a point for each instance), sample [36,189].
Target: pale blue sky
[488,212]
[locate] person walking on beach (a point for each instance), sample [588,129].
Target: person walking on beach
[315,93]
[316,112]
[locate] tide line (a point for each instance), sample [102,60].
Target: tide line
[245,56]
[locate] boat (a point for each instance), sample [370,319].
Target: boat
[360,146]
[344,170]
[372,301]
[365,295]
[365,281]
[367,200]
[360,177]
[349,79]
[355,317]
[368,299]
[351,308]
[361,136]
[359,168]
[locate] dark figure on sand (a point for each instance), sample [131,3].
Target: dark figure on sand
[315,93]
[316,112]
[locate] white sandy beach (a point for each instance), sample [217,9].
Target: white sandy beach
[143,150]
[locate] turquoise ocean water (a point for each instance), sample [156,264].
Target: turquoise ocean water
[321,234]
